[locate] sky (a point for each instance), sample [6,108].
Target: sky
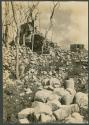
[70,22]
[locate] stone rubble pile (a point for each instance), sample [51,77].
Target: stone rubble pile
[50,88]
[57,105]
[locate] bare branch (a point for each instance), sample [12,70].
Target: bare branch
[51,17]
[53,10]
[50,24]
[31,9]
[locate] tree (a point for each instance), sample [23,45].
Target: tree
[33,19]
[17,41]
[50,24]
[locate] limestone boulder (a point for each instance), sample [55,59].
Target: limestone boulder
[24,121]
[25,112]
[54,104]
[55,82]
[53,96]
[69,96]
[60,91]
[46,118]
[74,118]
[42,95]
[81,99]
[61,114]
[65,111]
[40,107]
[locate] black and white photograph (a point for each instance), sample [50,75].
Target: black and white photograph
[45,61]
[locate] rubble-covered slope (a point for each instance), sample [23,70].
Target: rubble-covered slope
[51,87]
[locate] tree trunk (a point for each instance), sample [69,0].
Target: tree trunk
[17,53]
[17,42]
[24,39]
[33,37]
[43,46]
[6,22]
[33,42]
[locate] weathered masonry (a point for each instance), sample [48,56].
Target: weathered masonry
[76,47]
